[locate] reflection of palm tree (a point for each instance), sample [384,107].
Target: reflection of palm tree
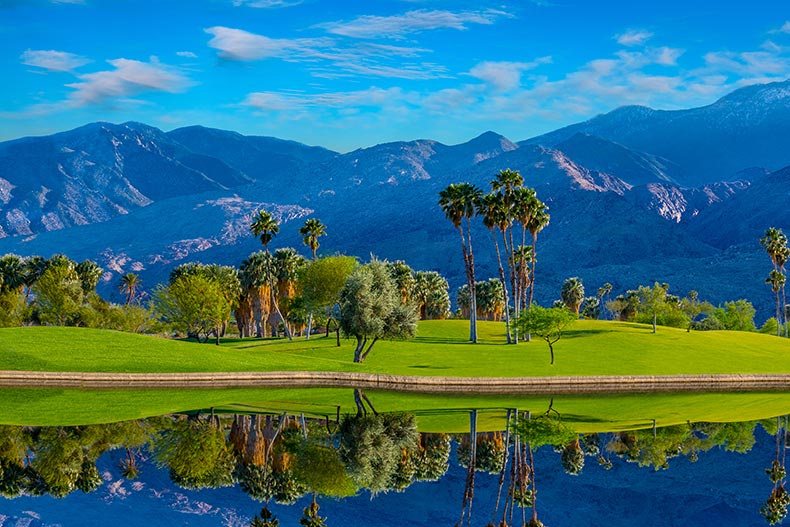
[128,465]
[775,508]
[310,517]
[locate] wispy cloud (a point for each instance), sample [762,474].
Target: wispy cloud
[633,37]
[398,26]
[237,44]
[267,4]
[186,54]
[52,60]
[505,75]
[785,28]
[127,78]
[371,97]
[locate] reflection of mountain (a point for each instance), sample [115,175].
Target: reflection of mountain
[636,196]
[721,488]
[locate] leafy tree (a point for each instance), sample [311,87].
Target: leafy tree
[311,231]
[459,202]
[653,300]
[693,308]
[321,282]
[197,454]
[320,469]
[371,308]
[572,294]
[58,291]
[546,323]
[194,305]
[736,315]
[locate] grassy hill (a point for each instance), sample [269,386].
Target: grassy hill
[589,348]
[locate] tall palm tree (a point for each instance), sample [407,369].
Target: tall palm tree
[495,214]
[459,202]
[265,227]
[538,221]
[287,264]
[129,284]
[604,290]
[255,278]
[777,281]
[312,230]
[775,244]
[522,209]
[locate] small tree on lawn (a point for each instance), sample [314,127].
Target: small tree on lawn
[371,308]
[546,323]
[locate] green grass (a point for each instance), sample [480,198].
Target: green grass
[589,348]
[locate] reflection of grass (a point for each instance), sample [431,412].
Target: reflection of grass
[589,348]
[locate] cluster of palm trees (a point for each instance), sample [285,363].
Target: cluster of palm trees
[775,244]
[517,215]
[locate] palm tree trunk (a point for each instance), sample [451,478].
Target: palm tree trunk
[309,325]
[472,288]
[280,315]
[469,283]
[504,287]
[512,273]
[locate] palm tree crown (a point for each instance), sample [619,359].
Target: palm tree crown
[265,227]
[312,230]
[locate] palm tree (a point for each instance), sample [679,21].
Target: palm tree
[255,275]
[775,244]
[459,201]
[128,286]
[538,221]
[495,216]
[12,272]
[287,264]
[90,273]
[312,230]
[524,205]
[431,295]
[265,227]
[604,290]
[572,294]
[777,282]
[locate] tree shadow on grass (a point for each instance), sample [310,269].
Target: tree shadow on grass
[585,332]
[441,340]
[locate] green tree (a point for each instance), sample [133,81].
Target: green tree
[58,292]
[693,308]
[371,309]
[591,308]
[459,202]
[194,305]
[321,282]
[653,300]
[572,294]
[311,231]
[736,315]
[546,323]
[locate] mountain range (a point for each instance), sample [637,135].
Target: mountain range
[635,196]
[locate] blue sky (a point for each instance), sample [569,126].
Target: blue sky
[353,74]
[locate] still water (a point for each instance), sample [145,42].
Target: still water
[223,469]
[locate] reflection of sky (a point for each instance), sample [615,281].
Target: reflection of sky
[720,489]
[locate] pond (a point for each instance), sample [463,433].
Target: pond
[377,469]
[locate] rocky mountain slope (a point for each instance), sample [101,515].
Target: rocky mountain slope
[630,196]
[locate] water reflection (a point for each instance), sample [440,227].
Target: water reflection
[279,459]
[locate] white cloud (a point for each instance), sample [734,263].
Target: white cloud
[52,60]
[397,26]
[785,28]
[237,44]
[634,37]
[128,78]
[186,54]
[504,75]
[267,4]
[371,97]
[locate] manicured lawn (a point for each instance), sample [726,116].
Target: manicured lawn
[590,348]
